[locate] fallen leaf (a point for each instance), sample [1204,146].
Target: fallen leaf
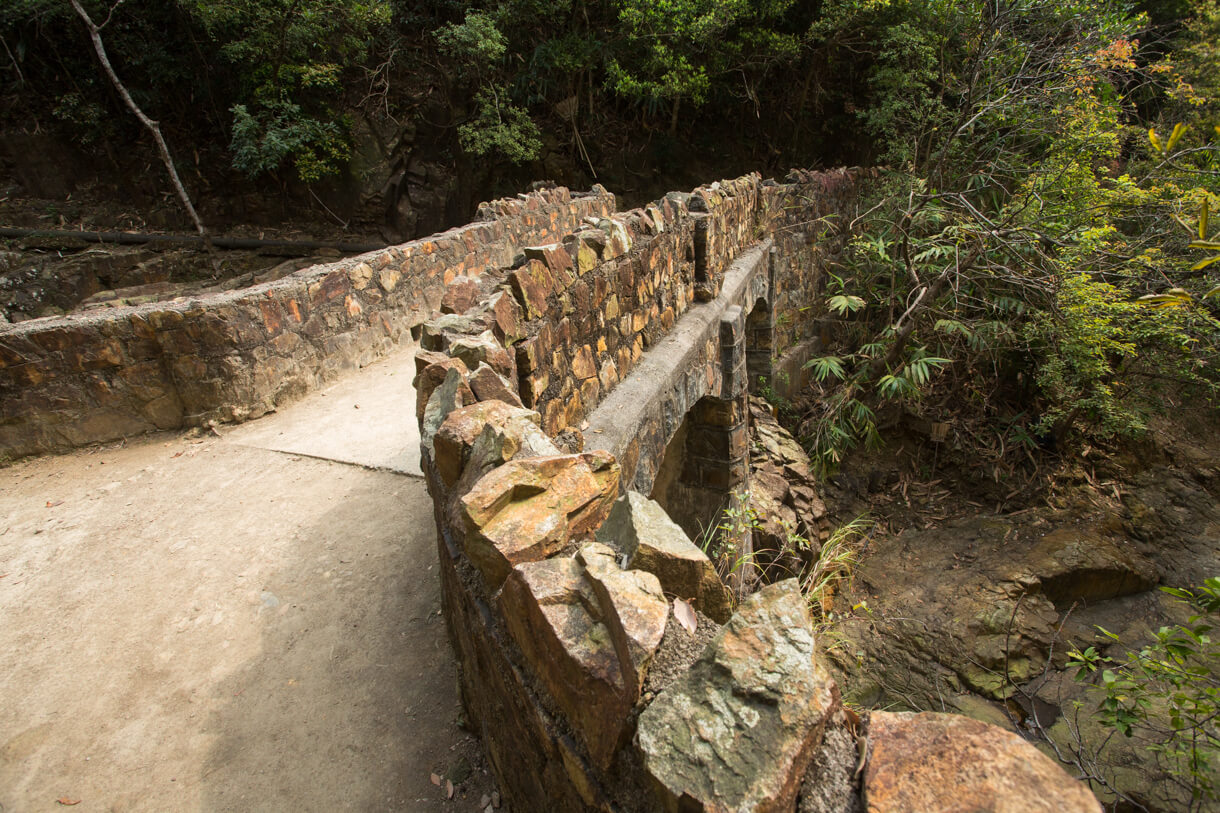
[685,615]
[66,802]
[436,780]
[448,789]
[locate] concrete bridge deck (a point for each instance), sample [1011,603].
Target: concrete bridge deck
[208,624]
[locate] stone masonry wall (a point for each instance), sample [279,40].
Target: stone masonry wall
[570,598]
[73,380]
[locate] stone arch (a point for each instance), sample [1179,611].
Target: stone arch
[705,461]
[760,337]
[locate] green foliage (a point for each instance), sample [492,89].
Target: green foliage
[500,127]
[676,49]
[475,44]
[837,559]
[1167,692]
[282,133]
[1005,239]
[291,59]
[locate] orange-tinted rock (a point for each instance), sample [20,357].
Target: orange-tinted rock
[552,614]
[506,317]
[943,762]
[583,365]
[533,283]
[633,608]
[462,427]
[653,542]
[589,630]
[554,256]
[460,295]
[527,510]
[488,385]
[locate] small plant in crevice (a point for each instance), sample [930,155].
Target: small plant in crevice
[728,544]
[836,562]
[820,570]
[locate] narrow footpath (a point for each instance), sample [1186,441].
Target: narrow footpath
[246,620]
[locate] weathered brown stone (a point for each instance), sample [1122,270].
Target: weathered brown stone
[554,256]
[532,284]
[583,365]
[460,295]
[932,761]
[360,275]
[633,607]
[439,333]
[388,278]
[640,528]
[554,617]
[506,317]
[1084,564]
[455,437]
[618,241]
[608,376]
[588,251]
[488,385]
[484,349]
[330,287]
[436,367]
[533,388]
[590,630]
[527,510]
[737,731]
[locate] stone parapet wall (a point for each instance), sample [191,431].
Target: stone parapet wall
[595,302]
[79,379]
[602,660]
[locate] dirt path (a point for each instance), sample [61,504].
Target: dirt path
[196,624]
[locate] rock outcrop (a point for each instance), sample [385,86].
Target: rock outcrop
[739,729]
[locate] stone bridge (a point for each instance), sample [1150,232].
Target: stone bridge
[583,415]
[582,377]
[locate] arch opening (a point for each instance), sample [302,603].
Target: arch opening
[760,332]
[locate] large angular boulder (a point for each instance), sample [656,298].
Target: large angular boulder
[452,393]
[634,608]
[439,333]
[488,385]
[431,368]
[738,730]
[533,283]
[589,630]
[484,349]
[529,509]
[462,427]
[653,542]
[945,762]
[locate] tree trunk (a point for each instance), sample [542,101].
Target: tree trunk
[95,34]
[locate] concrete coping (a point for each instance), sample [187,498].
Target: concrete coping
[616,420]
